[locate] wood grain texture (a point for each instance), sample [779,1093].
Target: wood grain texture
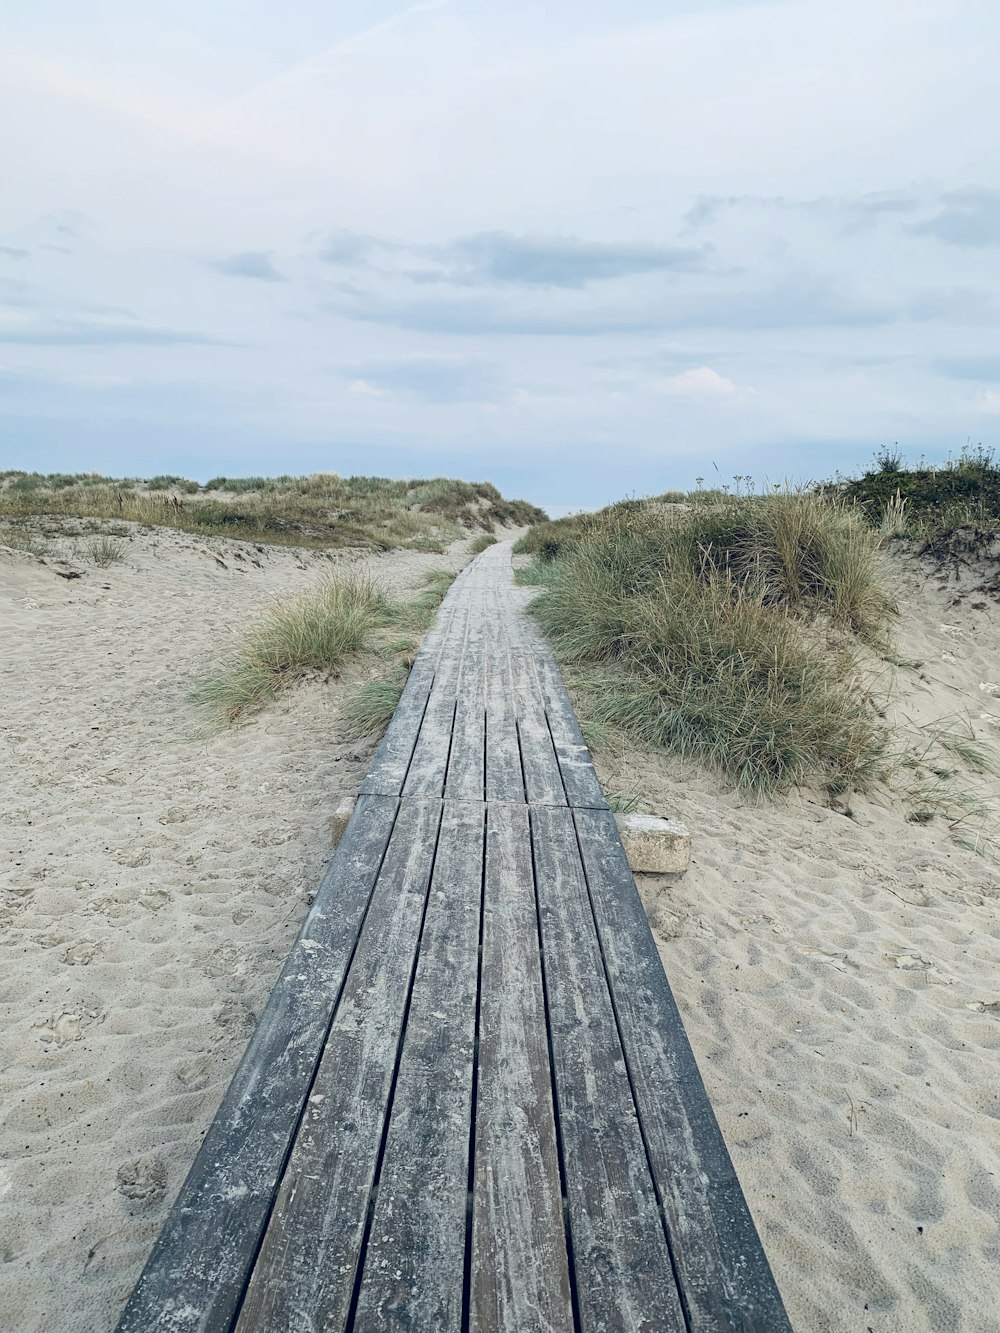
[623,1273]
[304,1277]
[199,1265]
[414,1265]
[520,1276]
[725,1278]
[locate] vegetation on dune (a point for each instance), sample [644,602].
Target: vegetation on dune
[923,502]
[318,632]
[315,631]
[724,631]
[324,510]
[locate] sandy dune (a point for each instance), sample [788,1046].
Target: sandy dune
[152,884]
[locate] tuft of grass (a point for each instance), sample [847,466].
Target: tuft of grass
[105,551]
[315,631]
[370,707]
[483,543]
[418,615]
[725,633]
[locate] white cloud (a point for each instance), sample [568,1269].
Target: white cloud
[987,403]
[699,382]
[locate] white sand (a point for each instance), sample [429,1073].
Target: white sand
[151,887]
[835,974]
[839,979]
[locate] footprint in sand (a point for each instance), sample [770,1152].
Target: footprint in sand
[922,967]
[142,1180]
[81,953]
[60,1029]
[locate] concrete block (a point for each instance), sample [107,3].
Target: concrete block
[655,846]
[341,818]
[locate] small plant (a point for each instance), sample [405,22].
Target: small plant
[370,708]
[105,551]
[314,632]
[483,543]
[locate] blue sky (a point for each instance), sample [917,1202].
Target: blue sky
[581,249]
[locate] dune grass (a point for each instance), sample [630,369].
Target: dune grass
[483,543]
[314,632]
[323,510]
[370,707]
[725,633]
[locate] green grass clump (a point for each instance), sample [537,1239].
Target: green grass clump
[923,502]
[418,615]
[708,632]
[315,631]
[370,708]
[106,551]
[483,543]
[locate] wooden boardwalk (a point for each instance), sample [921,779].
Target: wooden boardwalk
[470,1103]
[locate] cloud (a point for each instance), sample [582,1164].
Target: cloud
[968,218]
[800,300]
[987,402]
[968,367]
[348,247]
[431,379]
[100,335]
[14,252]
[856,212]
[250,264]
[553,261]
[699,382]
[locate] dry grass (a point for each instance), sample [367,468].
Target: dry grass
[324,510]
[726,633]
[313,632]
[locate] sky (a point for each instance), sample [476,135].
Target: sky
[580,249]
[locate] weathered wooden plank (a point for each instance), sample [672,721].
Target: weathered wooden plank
[415,1260]
[391,764]
[519,1275]
[624,1280]
[198,1267]
[721,1266]
[467,763]
[430,757]
[579,778]
[304,1277]
[543,783]
[504,776]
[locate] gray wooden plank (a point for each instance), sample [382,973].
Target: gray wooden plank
[623,1275]
[504,776]
[304,1276]
[582,786]
[466,765]
[519,1274]
[415,1260]
[543,781]
[430,756]
[721,1266]
[198,1267]
[389,768]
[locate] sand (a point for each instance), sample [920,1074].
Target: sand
[839,978]
[838,975]
[152,883]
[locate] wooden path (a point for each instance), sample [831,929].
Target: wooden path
[470,1103]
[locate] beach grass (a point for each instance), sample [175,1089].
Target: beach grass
[726,632]
[324,510]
